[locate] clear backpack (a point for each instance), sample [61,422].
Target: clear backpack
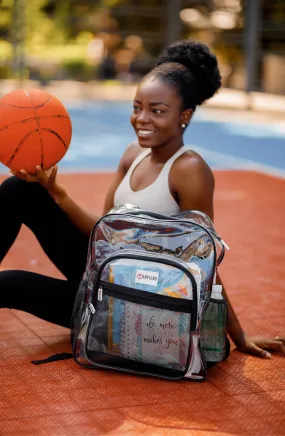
[145,303]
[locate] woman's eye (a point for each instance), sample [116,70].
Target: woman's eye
[136,108]
[158,111]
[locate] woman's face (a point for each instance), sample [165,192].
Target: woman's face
[157,114]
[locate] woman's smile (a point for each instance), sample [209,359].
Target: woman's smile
[144,133]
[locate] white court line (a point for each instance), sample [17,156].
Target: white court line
[221,161]
[227,161]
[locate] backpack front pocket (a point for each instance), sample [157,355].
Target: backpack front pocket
[139,331]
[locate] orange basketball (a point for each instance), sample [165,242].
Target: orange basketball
[35,129]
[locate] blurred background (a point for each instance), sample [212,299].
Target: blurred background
[118,40]
[92,53]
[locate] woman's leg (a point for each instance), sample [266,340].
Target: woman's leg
[45,297]
[29,204]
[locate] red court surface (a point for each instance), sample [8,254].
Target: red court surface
[244,395]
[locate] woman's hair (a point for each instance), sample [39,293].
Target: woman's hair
[192,69]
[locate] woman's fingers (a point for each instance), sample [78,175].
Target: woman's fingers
[28,177]
[24,175]
[252,348]
[53,173]
[39,172]
[276,344]
[260,352]
[19,175]
[52,177]
[282,347]
[280,339]
[260,345]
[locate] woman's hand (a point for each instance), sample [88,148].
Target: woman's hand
[259,345]
[47,179]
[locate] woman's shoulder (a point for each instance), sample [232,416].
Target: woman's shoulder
[130,154]
[191,165]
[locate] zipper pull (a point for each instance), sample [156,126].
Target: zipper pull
[91,308]
[225,245]
[100,293]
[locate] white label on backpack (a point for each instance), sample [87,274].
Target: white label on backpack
[147,277]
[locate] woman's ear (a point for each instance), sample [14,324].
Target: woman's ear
[186,116]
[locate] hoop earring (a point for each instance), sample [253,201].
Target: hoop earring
[183,126]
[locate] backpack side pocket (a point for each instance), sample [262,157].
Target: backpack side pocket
[214,342]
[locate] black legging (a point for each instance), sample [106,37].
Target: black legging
[48,298]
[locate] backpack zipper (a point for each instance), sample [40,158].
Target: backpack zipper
[146,298]
[157,259]
[91,308]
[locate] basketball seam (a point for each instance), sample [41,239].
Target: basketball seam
[26,107]
[39,130]
[32,119]
[57,135]
[19,146]
[29,134]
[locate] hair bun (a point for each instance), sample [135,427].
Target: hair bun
[198,59]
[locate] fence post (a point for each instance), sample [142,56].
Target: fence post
[173,22]
[252,44]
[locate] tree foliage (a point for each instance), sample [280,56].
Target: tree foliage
[52,21]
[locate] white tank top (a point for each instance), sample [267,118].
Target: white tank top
[155,197]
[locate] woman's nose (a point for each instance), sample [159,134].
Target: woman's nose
[143,116]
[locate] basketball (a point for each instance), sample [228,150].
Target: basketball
[35,129]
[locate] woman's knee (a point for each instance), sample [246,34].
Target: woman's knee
[11,187]
[14,190]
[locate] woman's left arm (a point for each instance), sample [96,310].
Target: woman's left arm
[192,182]
[249,344]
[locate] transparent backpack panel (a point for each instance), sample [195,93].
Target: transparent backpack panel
[186,242]
[140,333]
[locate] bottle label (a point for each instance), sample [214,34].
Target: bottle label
[217,292]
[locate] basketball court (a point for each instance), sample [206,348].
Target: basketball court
[242,396]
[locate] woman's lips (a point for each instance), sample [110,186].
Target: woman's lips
[144,133]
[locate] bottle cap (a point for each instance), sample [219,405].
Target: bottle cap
[217,289]
[217,292]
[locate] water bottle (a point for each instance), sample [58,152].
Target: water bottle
[213,338]
[217,292]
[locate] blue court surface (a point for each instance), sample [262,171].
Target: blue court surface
[101,132]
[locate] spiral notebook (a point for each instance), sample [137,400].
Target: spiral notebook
[155,336]
[147,334]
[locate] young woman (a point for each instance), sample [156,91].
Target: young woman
[157,173]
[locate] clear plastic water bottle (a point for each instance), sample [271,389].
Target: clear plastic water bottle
[217,292]
[213,337]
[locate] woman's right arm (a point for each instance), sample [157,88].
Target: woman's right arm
[83,219]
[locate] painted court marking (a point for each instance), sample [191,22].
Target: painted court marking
[243,144]
[227,161]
